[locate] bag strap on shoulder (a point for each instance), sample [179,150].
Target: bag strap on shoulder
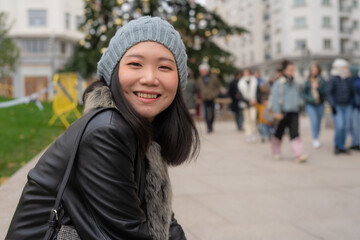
[54,217]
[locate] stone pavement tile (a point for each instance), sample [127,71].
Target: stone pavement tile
[341,178]
[190,185]
[232,165]
[333,228]
[189,234]
[329,161]
[323,202]
[355,191]
[265,231]
[226,164]
[240,182]
[256,207]
[298,180]
[192,213]
[284,165]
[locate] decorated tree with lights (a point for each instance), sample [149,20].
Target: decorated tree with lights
[197,26]
[9,52]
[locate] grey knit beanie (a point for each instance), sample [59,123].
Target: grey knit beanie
[143,29]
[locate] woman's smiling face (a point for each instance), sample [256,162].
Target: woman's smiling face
[149,78]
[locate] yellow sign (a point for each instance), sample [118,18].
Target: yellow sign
[65,98]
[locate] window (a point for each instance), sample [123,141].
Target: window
[300,22]
[35,45]
[326,23]
[278,47]
[355,25]
[326,2]
[327,43]
[266,16]
[299,2]
[63,47]
[67,21]
[250,19]
[37,18]
[300,44]
[277,6]
[356,45]
[78,20]
[251,41]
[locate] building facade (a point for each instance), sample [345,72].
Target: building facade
[46,32]
[302,31]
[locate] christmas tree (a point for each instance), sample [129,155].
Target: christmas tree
[197,26]
[9,52]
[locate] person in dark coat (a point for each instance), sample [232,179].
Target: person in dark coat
[355,117]
[209,87]
[119,187]
[236,98]
[340,92]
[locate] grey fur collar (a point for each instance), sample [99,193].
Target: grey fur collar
[99,97]
[158,192]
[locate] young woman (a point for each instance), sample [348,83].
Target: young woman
[314,95]
[119,187]
[286,101]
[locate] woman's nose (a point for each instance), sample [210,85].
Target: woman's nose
[149,76]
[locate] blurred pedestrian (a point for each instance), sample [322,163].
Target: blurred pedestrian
[248,89]
[286,101]
[190,93]
[119,185]
[265,126]
[236,100]
[314,94]
[355,118]
[209,87]
[259,79]
[262,87]
[275,77]
[340,92]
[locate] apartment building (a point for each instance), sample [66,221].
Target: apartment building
[46,32]
[303,31]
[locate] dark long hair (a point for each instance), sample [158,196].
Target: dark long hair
[173,129]
[318,68]
[284,65]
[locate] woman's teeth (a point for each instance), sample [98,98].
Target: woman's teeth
[146,95]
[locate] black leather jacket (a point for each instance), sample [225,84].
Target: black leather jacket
[104,198]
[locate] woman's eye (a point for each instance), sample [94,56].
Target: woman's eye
[134,64]
[165,67]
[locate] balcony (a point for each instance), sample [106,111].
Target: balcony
[345,8]
[346,51]
[345,32]
[267,37]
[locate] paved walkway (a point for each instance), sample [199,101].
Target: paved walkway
[236,191]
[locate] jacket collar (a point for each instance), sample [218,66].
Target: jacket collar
[98,98]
